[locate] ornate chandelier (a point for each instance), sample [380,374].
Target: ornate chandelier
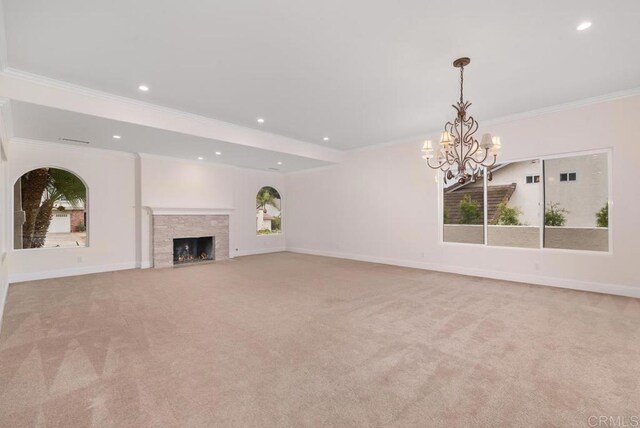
[460,156]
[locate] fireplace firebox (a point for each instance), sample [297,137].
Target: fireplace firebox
[193,250]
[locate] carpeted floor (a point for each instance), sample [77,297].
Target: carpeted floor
[294,340]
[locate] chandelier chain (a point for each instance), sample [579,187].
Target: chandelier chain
[461,83]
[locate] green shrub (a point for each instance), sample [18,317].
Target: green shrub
[264,232]
[554,215]
[276,223]
[470,210]
[445,215]
[81,227]
[602,216]
[507,216]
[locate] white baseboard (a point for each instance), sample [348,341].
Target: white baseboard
[59,273]
[596,287]
[3,298]
[253,252]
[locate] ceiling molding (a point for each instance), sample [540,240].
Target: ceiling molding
[31,88]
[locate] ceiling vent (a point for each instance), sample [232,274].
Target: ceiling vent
[71,140]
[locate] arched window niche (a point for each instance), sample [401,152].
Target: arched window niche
[50,209]
[268,211]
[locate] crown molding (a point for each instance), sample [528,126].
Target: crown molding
[102,95]
[36,89]
[83,90]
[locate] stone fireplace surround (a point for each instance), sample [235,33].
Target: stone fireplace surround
[169,224]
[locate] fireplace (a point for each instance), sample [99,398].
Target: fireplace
[193,250]
[168,224]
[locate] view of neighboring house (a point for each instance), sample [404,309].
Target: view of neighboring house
[576,185]
[570,193]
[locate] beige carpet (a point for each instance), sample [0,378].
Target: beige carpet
[294,340]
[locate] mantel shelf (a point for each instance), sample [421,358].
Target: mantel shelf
[188,211]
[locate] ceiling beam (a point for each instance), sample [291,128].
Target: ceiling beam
[34,89]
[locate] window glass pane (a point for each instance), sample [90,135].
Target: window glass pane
[463,212]
[268,211]
[49,210]
[513,209]
[577,212]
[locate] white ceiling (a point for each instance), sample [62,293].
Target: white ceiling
[36,122]
[362,72]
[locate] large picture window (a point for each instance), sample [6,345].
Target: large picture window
[49,210]
[553,202]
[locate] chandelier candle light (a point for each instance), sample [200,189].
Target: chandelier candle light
[460,155]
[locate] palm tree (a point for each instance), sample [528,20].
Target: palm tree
[41,189]
[267,196]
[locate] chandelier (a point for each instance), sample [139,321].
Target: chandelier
[460,156]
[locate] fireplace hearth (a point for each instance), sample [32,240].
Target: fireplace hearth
[193,250]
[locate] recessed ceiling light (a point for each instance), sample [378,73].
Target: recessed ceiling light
[116,137]
[200,158]
[260,120]
[279,163]
[218,153]
[583,26]
[143,88]
[325,139]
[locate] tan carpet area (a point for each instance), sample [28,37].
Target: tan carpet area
[294,340]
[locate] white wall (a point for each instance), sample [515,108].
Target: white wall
[111,211]
[384,205]
[172,183]
[113,181]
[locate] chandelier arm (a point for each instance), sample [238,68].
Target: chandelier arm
[437,166]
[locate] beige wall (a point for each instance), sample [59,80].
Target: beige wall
[404,227]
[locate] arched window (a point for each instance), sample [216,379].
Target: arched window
[50,209]
[268,211]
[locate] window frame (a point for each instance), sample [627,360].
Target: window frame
[87,210]
[607,151]
[282,222]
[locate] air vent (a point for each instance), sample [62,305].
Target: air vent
[71,140]
[274,169]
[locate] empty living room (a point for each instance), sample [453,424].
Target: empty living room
[319,214]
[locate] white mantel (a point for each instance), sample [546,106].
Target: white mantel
[188,211]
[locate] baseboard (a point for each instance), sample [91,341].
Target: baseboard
[3,298]
[241,253]
[596,287]
[59,273]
